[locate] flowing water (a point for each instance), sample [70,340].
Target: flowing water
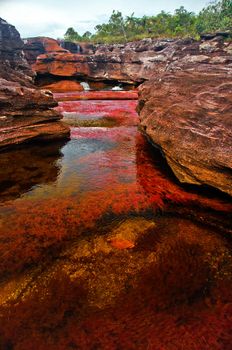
[101,248]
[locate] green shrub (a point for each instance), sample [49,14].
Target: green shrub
[216,16]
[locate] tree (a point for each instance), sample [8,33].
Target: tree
[216,16]
[183,21]
[72,35]
[87,35]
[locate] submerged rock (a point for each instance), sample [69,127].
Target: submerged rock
[128,232]
[175,289]
[25,112]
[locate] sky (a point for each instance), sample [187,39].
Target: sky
[52,17]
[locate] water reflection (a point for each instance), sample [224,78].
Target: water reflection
[22,169]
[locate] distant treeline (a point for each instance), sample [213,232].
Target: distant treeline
[216,16]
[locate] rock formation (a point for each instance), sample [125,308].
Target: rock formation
[25,112]
[33,47]
[186,112]
[185,105]
[133,62]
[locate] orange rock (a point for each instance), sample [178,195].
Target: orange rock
[48,44]
[62,64]
[51,45]
[64,85]
[97,85]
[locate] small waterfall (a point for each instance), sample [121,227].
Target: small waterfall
[70,46]
[85,85]
[78,48]
[117,88]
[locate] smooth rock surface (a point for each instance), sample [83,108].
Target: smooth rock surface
[25,112]
[187,114]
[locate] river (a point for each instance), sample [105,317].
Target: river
[102,248]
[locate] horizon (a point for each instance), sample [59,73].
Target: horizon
[54,17]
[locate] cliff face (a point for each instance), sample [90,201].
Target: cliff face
[25,112]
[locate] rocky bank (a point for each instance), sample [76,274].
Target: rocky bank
[133,62]
[26,113]
[186,112]
[185,101]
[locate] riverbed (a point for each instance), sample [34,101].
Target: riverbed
[102,248]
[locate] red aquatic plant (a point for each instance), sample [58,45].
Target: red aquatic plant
[176,303]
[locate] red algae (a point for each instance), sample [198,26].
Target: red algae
[122,178]
[77,273]
[99,298]
[118,112]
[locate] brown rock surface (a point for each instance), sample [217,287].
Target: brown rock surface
[25,112]
[187,114]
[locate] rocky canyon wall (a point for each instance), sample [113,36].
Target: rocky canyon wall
[26,113]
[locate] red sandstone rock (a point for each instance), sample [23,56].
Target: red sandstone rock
[34,47]
[25,112]
[49,44]
[62,64]
[187,114]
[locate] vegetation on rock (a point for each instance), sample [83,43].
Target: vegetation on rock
[217,16]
